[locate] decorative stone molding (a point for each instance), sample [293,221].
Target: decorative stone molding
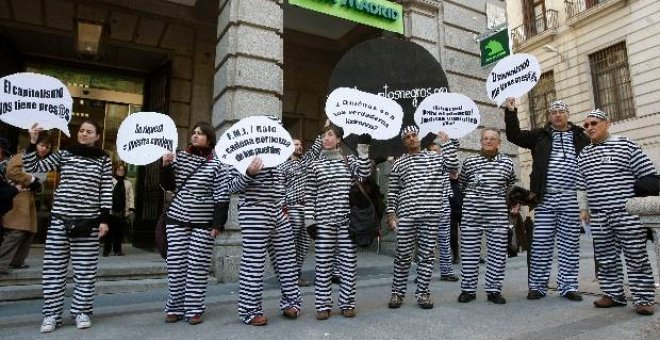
[648,210]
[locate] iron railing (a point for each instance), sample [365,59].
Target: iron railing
[575,7]
[542,23]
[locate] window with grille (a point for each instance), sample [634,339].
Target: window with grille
[540,98]
[611,81]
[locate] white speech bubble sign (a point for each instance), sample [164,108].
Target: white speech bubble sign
[144,137]
[28,98]
[513,76]
[453,113]
[360,112]
[255,136]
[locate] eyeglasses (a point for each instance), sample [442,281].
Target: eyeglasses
[588,124]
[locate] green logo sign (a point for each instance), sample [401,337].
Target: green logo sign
[382,14]
[494,47]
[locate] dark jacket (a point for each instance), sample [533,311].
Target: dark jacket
[539,141]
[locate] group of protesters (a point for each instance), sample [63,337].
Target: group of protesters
[580,176]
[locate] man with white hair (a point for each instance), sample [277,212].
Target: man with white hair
[554,148]
[608,171]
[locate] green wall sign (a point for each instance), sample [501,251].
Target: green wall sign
[494,47]
[382,14]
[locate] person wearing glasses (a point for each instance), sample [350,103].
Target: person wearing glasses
[555,148]
[608,170]
[485,179]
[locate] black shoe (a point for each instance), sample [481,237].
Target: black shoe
[450,278]
[534,295]
[466,297]
[573,296]
[496,298]
[21,266]
[106,254]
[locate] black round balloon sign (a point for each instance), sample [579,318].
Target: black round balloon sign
[397,69]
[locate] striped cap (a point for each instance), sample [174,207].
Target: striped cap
[558,105]
[408,129]
[597,113]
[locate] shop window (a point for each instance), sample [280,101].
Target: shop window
[540,98]
[611,81]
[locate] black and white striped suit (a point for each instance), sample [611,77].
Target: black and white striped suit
[558,215]
[190,217]
[327,205]
[415,181]
[294,171]
[607,172]
[264,229]
[485,182]
[84,192]
[444,232]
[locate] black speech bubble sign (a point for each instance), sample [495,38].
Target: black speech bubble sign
[386,65]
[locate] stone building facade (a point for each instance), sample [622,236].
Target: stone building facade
[593,54]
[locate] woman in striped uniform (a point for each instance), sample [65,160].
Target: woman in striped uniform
[327,206]
[418,177]
[197,215]
[485,179]
[294,170]
[83,197]
[607,172]
[264,229]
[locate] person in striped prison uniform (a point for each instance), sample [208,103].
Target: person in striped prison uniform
[196,216]
[444,231]
[84,193]
[417,179]
[554,171]
[485,179]
[264,229]
[294,170]
[327,206]
[608,171]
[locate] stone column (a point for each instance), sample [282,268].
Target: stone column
[247,82]
[648,210]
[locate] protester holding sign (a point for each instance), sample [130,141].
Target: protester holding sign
[197,215]
[417,178]
[327,207]
[264,225]
[485,179]
[80,214]
[555,148]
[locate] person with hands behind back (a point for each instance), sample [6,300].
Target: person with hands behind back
[418,177]
[79,217]
[197,215]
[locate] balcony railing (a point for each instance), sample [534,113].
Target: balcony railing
[575,7]
[542,23]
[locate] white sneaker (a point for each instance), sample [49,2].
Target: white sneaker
[83,321]
[49,324]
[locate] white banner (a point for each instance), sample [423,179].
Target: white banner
[256,136]
[513,76]
[360,112]
[144,137]
[453,113]
[29,98]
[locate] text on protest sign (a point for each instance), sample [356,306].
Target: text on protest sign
[513,76]
[29,98]
[453,113]
[144,137]
[360,112]
[256,136]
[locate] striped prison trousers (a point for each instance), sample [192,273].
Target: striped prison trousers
[84,255]
[189,255]
[557,216]
[300,236]
[444,242]
[423,232]
[482,214]
[614,232]
[265,229]
[335,249]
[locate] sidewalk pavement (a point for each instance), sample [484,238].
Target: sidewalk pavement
[140,315]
